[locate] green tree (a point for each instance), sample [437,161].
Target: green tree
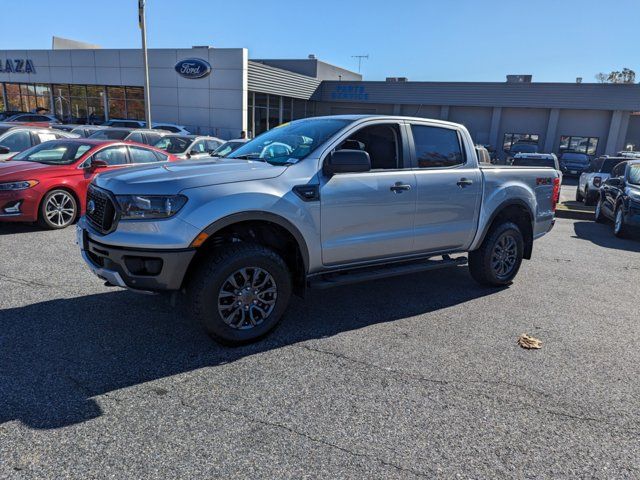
[625,76]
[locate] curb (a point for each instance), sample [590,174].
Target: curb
[575,212]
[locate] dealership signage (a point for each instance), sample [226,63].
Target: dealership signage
[17,65]
[193,68]
[349,92]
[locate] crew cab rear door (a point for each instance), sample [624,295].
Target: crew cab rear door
[369,215]
[449,184]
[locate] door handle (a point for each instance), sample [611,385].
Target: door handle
[464,182]
[400,187]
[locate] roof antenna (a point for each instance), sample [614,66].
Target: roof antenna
[360,58]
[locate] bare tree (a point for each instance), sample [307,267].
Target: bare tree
[602,77]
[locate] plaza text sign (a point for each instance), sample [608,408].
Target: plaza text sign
[193,68]
[17,65]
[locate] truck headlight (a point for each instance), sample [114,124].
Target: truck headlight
[144,207]
[20,185]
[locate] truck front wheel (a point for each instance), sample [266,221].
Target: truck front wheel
[240,293]
[498,259]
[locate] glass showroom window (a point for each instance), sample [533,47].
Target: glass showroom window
[14,101]
[588,145]
[134,97]
[95,104]
[126,102]
[27,97]
[62,102]
[519,139]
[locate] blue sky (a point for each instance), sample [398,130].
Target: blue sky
[444,40]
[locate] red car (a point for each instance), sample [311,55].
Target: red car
[48,183]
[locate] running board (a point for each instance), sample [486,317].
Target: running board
[348,277]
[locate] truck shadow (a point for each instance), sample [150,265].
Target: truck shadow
[57,355]
[602,235]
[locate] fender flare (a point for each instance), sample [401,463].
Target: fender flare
[507,203]
[258,215]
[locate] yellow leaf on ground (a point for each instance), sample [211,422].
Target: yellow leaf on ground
[525,341]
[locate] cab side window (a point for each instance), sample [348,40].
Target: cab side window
[113,156]
[17,141]
[142,155]
[198,147]
[381,142]
[152,138]
[135,137]
[437,147]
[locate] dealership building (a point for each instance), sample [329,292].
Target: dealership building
[220,91]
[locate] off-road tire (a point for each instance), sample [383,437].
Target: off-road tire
[481,264]
[209,279]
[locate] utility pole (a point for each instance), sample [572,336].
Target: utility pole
[360,58]
[147,95]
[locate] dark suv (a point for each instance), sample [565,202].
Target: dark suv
[574,163]
[619,198]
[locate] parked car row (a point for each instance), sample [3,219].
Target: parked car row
[619,198]
[47,183]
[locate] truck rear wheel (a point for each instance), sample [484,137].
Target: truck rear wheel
[240,293]
[497,261]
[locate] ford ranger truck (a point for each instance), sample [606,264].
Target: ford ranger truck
[314,203]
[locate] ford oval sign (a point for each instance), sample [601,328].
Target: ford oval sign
[193,68]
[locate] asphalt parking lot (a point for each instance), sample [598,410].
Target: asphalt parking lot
[418,376]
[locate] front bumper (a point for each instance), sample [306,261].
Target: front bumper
[19,206]
[146,270]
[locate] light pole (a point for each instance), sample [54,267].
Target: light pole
[147,95]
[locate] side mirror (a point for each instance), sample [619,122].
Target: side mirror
[188,154]
[4,150]
[95,163]
[347,161]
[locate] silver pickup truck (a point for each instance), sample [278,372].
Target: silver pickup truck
[314,203]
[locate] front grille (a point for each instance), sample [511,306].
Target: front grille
[101,211]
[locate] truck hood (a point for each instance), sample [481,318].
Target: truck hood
[171,178]
[16,170]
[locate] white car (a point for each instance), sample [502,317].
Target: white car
[15,139]
[188,147]
[33,118]
[598,171]
[229,147]
[170,127]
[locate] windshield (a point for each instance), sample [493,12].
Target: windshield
[173,144]
[634,174]
[226,148]
[110,134]
[534,162]
[290,142]
[54,152]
